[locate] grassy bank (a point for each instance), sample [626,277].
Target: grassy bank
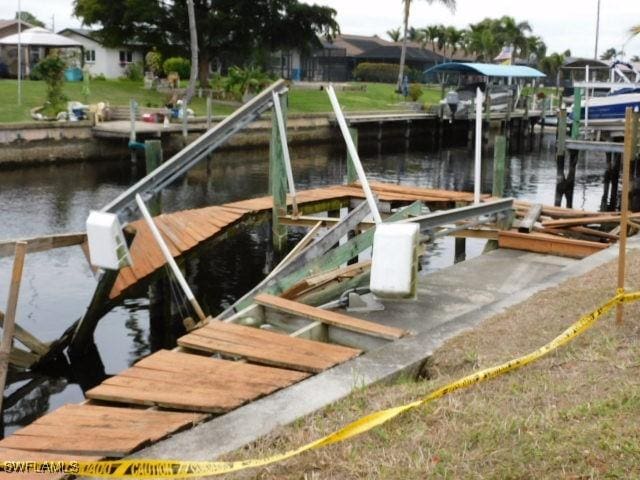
[119,92]
[573,414]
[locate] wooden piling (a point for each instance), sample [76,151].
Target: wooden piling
[278,181]
[577,113]
[561,135]
[630,150]
[133,107]
[209,111]
[352,175]
[460,244]
[10,319]
[499,154]
[153,159]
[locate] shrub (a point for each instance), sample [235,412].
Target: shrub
[376,72]
[153,59]
[134,72]
[177,64]
[100,77]
[242,81]
[51,69]
[415,91]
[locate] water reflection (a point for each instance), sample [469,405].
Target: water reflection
[56,199]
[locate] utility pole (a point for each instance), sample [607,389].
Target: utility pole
[595,54]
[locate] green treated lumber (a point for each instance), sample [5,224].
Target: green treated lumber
[339,255]
[278,180]
[577,113]
[153,159]
[499,153]
[352,175]
[301,268]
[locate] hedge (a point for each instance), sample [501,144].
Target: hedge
[383,73]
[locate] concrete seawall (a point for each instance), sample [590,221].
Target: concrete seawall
[39,143]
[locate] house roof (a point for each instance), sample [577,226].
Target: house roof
[39,36]
[83,32]
[392,52]
[355,44]
[487,70]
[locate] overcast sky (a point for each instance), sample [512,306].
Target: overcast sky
[561,23]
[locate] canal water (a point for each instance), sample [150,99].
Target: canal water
[58,285]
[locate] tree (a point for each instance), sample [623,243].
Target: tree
[452,39]
[29,18]
[435,35]
[609,53]
[230,32]
[450,4]
[552,64]
[394,34]
[193,41]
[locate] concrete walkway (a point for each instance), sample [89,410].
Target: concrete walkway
[449,302]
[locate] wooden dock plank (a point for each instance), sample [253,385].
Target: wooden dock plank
[269,348]
[550,244]
[97,446]
[185,230]
[192,382]
[330,318]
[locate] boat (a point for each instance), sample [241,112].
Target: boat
[620,93]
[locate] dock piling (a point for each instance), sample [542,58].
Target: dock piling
[278,181]
[352,175]
[630,150]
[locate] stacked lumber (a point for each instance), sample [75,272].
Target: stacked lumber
[562,231]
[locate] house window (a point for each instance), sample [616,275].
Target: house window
[90,56]
[126,57]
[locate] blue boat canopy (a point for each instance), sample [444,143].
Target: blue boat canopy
[487,70]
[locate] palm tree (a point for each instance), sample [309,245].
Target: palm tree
[450,4]
[453,39]
[535,48]
[608,54]
[552,64]
[394,34]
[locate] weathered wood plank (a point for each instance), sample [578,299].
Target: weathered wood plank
[10,454]
[330,318]
[44,243]
[269,348]
[550,244]
[98,446]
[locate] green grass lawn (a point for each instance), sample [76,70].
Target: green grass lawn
[119,92]
[377,96]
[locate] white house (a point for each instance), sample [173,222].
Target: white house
[110,62]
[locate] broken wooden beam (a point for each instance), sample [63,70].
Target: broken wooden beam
[43,243]
[594,220]
[549,244]
[526,224]
[330,318]
[28,340]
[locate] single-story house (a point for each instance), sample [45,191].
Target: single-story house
[101,60]
[8,56]
[338,58]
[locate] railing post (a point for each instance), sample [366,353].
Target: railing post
[352,175]
[278,180]
[499,154]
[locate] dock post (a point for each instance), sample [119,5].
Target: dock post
[133,107]
[9,325]
[278,181]
[630,150]
[604,204]
[499,155]
[185,128]
[460,245]
[159,291]
[577,113]
[352,175]
[209,111]
[153,159]
[561,135]
[487,114]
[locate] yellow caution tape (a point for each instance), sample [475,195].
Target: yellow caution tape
[179,469]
